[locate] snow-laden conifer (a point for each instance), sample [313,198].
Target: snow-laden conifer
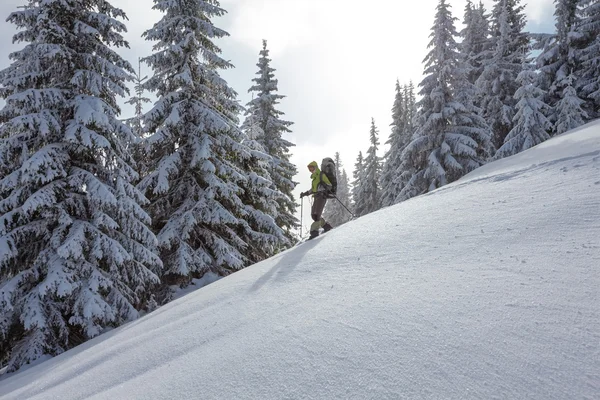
[558,64]
[195,149]
[397,141]
[261,199]
[410,108]
[557,59]
[138,101]
[475,39]
[263,116]
[76,254]
[370,191]
[531,125]
[467,121]
[406,167]
[359,199]
[587,48]
[568,112]
[497,84]
[450,138]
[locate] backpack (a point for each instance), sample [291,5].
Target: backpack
[328,168]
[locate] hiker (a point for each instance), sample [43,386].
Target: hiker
[321,186]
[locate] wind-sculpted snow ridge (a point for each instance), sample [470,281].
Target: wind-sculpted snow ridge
[486,288]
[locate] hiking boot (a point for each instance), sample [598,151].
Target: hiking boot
[327,227]
[313,234]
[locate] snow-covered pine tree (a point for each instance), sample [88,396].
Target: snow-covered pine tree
[450,137]
[391,158]
[400,136]
[531,124]
[466,121]
[76,254]
[557,63]
[335,213]
[138,101]
[263,114]
[475,39]
[195,148]
[568,112]
[557,59]
[406,169]
[467,31]
[358,195]
[135,122]
[410,108]
[372,172]
[260,198]
[587,48]
[398,139]
[501,64]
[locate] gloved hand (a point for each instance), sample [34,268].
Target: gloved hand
[303,194]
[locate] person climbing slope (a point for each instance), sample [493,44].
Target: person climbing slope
[321,187]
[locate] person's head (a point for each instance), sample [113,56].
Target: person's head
[312,167]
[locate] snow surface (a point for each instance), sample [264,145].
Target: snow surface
[486,288]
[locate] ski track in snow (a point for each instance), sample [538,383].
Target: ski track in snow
[487,288]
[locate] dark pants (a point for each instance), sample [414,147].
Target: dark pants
[316,212]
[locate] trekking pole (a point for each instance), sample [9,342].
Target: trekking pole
[343,205]
[301,212]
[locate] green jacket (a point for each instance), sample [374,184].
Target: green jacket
[319,179]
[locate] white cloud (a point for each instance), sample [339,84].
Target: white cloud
[286,23]
[539,10]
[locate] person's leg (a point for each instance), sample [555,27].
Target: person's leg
[324,224]
[316,211]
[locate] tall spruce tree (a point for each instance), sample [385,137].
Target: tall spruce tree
[466,121]
[450,137]
[531,124]
[76,254]
[138,101]
[263,117]
[195,149]
[260,198]
[359,199]
[406,167]
[587,48]
[569,112]
[398,139]
[335,213]
[370,188]
[507,53]
[475,39]
[410,108]
[557,64]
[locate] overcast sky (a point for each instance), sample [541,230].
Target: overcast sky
[337,64]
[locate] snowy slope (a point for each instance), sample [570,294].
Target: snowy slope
[487,288]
